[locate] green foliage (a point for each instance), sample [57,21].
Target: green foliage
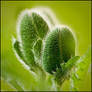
[81,71]
[26,80]
[51,54]
[48,15]
[31,27]
[16,46]
[59,48]
[26,29]
[41,26]
[56,52]
[62,74]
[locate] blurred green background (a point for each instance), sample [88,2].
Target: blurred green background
[75,14]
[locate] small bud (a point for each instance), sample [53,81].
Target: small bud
[59,48]
[30,28]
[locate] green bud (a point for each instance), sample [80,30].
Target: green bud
[59,48]
[30,28]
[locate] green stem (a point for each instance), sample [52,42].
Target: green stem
[39,71]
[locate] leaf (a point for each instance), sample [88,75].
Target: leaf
[62,74]
[48,15]
[17,49]
[79,75]
[37,50]
[31,27]
[41,27]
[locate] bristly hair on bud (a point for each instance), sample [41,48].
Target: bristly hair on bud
[59,48]
[43,43]
[31,27]
[47,15]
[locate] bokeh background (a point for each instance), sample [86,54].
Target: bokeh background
[75,14]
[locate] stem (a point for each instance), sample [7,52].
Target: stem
[39,71]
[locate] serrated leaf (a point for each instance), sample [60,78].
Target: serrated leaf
[62,74]
[78,76]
